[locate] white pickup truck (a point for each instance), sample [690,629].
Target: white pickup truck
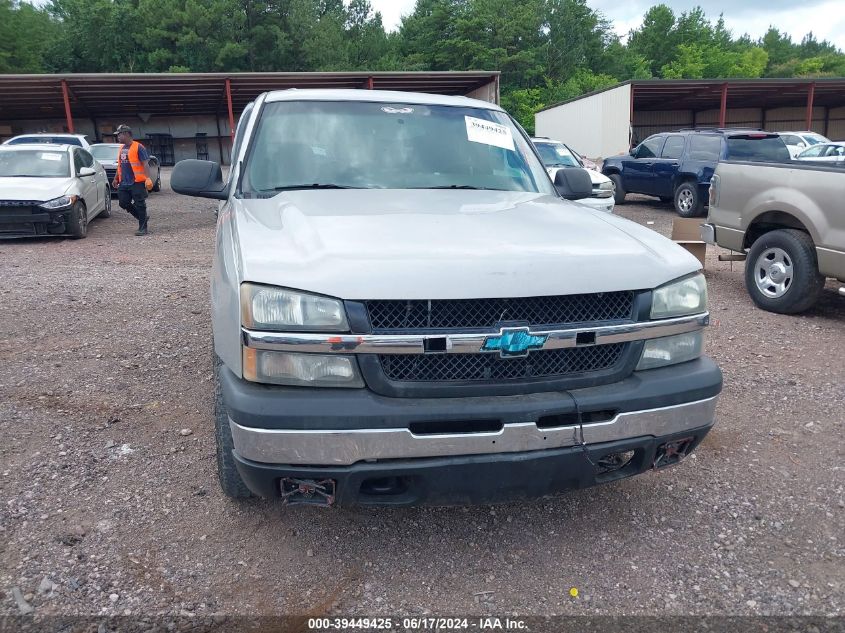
[407,310]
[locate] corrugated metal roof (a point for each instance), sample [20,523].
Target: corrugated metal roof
[703,94]
[110,95]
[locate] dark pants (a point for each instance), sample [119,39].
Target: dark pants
[134,200]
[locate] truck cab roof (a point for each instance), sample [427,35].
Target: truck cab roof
[380,96]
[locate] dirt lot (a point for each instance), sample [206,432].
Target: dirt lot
[110,503]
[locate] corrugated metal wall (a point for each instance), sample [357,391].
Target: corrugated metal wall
[836,124]
[596,126]
[775,120]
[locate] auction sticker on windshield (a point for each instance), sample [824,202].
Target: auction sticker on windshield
[489,133]
[50,156]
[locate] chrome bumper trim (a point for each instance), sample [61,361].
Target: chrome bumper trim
[464,343]
[343,448]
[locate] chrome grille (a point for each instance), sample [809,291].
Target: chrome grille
[393,316]
[493,368]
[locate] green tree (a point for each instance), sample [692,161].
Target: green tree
[655,39]
[25,33]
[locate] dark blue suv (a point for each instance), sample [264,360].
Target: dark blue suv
[678,165]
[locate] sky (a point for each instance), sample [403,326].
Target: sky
[825,18]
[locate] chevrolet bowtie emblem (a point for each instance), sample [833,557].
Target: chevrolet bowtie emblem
[514,342]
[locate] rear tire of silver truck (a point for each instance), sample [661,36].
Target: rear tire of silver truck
[227,472]
[781,272]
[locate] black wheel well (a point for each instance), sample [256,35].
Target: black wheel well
[612,170]
[771,221]
[682,178]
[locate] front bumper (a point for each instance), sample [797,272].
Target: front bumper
[354,436]
[467,479]
[37,222]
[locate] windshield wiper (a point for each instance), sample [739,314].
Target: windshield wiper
[460,187]
[313,185]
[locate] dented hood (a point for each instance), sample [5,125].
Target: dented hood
[445,244]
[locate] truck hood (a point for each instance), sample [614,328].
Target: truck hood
[40,189]
[445,244]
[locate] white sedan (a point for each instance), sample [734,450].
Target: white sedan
[824,152]
[556,156]
[50,190]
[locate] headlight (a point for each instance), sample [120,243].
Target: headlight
[671,350]
[606,186]
[60,203]
[687,296]
[301,370]
[269,308]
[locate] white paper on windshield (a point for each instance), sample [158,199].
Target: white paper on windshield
[561,151]
[45,156]
[489,133]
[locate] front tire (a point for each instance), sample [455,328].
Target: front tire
[618,189]
[78,221]
[106,212]
[227,473]
[687,200]
[782,273]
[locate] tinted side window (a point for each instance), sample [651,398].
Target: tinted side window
[87,159]
[651,147]
[77,161]
[791,139]
[767,149]
[705,147]
[674,147]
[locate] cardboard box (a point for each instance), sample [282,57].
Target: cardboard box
[686,232]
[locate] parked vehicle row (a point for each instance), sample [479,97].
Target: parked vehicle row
[678,166]
[797,142]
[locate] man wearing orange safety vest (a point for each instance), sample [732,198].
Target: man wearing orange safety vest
[132,180]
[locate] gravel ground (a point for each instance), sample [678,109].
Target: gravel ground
[110,503]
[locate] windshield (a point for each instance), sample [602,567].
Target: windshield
[557,155]
[57,140]
[104,152]
[312,144]
[813,139]
[34,163]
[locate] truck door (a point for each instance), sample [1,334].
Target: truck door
[666,168]
[637,170]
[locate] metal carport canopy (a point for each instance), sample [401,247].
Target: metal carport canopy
[703,94]
[114,95]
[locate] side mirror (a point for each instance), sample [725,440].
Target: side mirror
[200,178]
[633,151]
[87,171]
[573,183]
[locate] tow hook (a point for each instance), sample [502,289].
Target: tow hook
[672,452]
[320,493]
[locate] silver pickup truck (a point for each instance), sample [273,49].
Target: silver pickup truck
[406,309]
[789,221]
